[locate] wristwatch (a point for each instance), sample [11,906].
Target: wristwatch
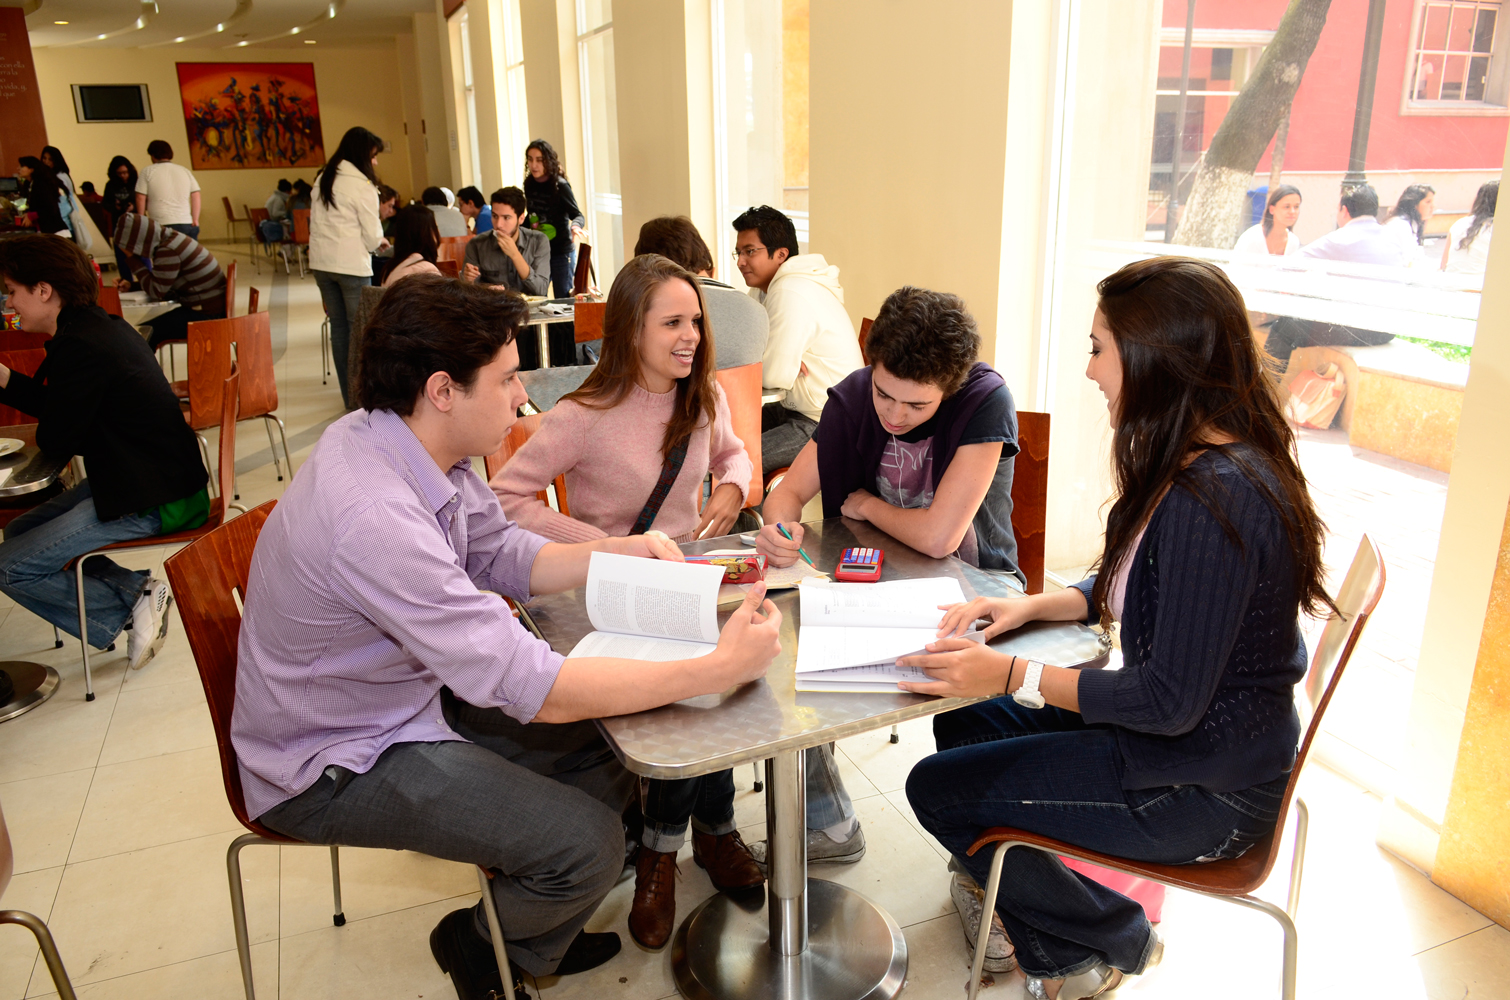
[1028,695]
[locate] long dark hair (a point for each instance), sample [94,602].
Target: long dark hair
[1484,204]
[618,370]
[59,165]
[1190,372]
[414,231]
[110,178]
[43,181]
[1283,191]
[358,147]
[1409,207]
[553,169]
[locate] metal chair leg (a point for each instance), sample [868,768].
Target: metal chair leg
[238,905]
[894,737]
[759,776]
[1292,940]
[57,638]
[339,918]
[268,420]
[78,578]
[1297,860]
[204,453]
[49,949]
[987,908]
[495,926]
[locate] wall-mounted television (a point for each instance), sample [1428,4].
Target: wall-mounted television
[112,102]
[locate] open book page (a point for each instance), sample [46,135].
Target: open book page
[639,647]
[893,604]
[881,676]
[776,577]
[651,597]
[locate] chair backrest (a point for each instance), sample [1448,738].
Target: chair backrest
[367,304]
[524,428]
[253,297]
[230,213]
[452,248]
[230,289]
[301,225]
[206,576]
[1030,495]
[587,317]
[22,340]
[110,299]
[449,268]
[741,387]
[864,335]
[253,336]
[257,216]
[212,345]
[26,361]
[225,468]
[581,280]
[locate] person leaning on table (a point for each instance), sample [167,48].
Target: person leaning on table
[99,395]
[1213,549]
[383,699]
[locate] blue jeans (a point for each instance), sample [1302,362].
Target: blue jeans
[707,800]
[1048,772]
[188,229]
[563,272]
[828,801]
[39,545]
[340,294]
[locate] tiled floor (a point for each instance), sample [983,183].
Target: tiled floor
[120,827]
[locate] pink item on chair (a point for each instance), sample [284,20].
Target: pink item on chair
[1150,895]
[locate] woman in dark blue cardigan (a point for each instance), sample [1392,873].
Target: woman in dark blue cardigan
[1213,550]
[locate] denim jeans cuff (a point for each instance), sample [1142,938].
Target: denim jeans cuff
[664,838]
[715,829]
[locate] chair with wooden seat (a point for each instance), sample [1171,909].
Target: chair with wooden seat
[453,248]
[742,389]
[230,310]
[213,343]
[253,297]
[209,580]
[31,921]
[231,220]
[449,268]
[218,508]
[258,216]
[110,299]
[582,277]
[524,428]
[1235,880]
[301,237]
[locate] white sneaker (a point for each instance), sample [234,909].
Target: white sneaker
[968,897]
[149,624]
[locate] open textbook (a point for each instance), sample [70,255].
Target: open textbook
[852,633]
[649,609]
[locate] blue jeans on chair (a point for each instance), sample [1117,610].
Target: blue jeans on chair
[1050,773]
[38,547]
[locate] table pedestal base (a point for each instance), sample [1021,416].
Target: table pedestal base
[34,685]
[855,951]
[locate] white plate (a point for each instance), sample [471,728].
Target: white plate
[11,445]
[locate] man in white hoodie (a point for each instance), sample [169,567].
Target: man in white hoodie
[811,345]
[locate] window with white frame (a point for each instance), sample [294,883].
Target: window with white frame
[1458,56]
[469,91]
[517,134]
[604,205]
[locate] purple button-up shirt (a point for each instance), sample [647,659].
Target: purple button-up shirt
[364,600]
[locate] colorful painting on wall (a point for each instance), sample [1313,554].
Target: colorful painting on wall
[242,116]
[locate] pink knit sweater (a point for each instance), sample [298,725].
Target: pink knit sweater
[612,460]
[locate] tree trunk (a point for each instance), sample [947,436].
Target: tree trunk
[1213,213]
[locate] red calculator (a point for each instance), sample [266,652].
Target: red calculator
[860,565]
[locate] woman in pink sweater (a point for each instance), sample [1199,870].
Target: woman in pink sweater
[650,403]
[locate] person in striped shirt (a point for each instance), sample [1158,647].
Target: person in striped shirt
[166,264]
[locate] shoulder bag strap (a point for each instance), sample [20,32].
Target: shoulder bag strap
[669,470]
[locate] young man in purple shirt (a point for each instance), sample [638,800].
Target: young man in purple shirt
[385,699]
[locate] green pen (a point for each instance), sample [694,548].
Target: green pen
[788,536]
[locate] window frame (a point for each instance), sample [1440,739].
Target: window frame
[1499,64]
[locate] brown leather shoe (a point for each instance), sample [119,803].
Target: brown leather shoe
[727,861]
[654,911]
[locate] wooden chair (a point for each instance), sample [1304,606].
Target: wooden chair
[258,216]
[230,217]
[212,345]
[209,580]
[864,335]
[22,340]
[587,317]
[582,279]
[252,299]
[30,921]
[301,236]
[218,507]
[523,429]
[1235,880]
[453,248]
[110,299]
[367,303]
[1030,495]
[742,389]
[230,310]
[449,268]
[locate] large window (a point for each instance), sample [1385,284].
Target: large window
[1458,56]
[469,95]
[515,135]
[603,202]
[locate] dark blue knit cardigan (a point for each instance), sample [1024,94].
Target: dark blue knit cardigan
[1211,642]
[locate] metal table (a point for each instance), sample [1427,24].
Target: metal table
[30,472]
[813,938]
[137,309]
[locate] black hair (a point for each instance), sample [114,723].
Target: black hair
[29,259]
[553,169]
[1360,201]
[358,147]
[926,337]
[470,195]
[427,324]
[285,185]
[88,187]
[158,149]
[1283,191]
[414,230]
[386,193]
[1409,207]
[432,195]
[1484,204]
[776,230]
[512,197]
[59,165]
[43,180]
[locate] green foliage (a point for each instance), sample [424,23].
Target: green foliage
[1452,352]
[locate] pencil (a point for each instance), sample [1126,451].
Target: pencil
[788,536]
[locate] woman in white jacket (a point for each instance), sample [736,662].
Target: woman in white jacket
[344,233]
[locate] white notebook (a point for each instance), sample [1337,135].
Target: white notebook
[649,609]
[852,633]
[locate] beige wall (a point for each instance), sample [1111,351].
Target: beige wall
[542,72]
[355,87]
[431,60]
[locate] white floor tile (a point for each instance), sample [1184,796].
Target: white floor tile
[42,815]
[153,801]
[373,882]
[158,719]
[197,979]
[387,956]
[34,893]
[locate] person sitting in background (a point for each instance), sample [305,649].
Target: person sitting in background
[449,220]
[416,244]
[100,395]
[166,264]
[650,415]
[302,198]
[508,255]
[740,321]
[387,206]
[471,204]
[167,193]
[1467,249]
[88,195]
[279,224]
[1407,220]
[45,197]
[811,343]
[441,725]
[1359,239]
[1276,234]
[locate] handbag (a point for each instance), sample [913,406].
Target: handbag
[669,470]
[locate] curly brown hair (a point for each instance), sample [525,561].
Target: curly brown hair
[926,337]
